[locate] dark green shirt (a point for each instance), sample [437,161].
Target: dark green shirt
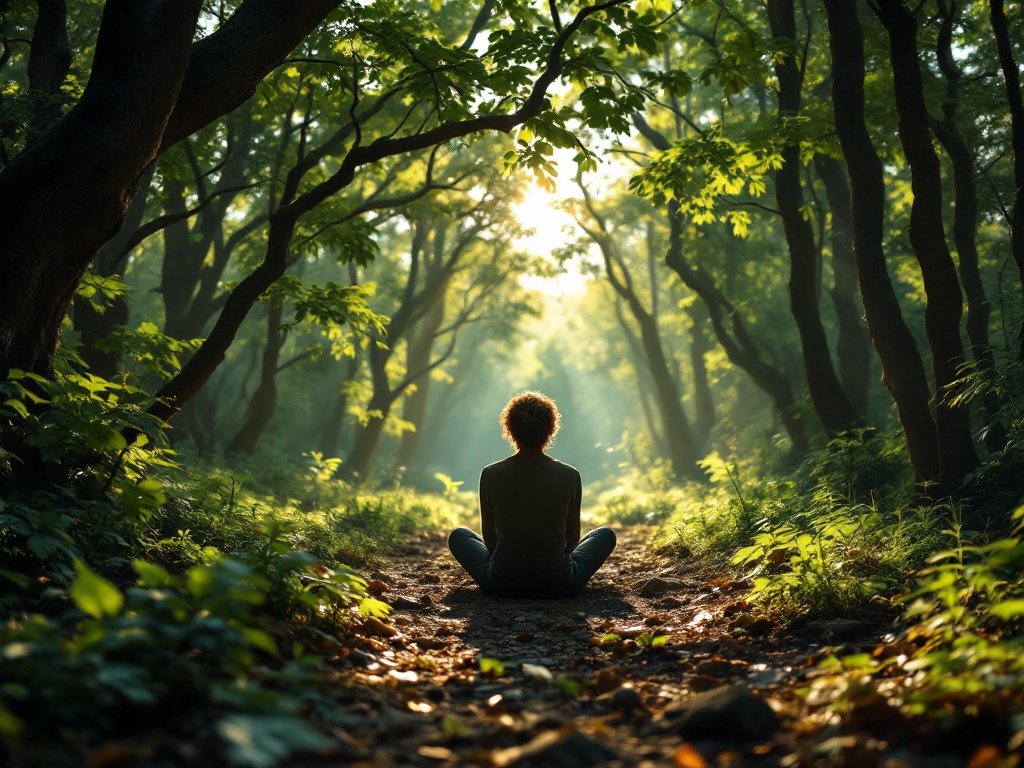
[530,515]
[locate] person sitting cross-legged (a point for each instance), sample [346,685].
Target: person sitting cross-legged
[530,515]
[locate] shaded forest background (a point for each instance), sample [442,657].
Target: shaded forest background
[268,274]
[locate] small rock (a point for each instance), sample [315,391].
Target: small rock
[556,750]
[524,637]
[372,627]
[626,699]
[426,601]
[403,602]
[656,620]
[658,586]
[564,626]
[717,668]
[401,619]
[831,630]
[731,712]
[376,587]
[699,683]
[361,658]
[430,578]
[670,603]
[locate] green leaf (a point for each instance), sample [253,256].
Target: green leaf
[378,609]
[151,574]
[492,667]
[94,595]
[1007,609]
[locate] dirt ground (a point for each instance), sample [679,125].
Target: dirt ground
[658,663]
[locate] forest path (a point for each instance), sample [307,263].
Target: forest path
[720,692]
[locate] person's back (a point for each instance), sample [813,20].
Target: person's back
[530,515]
[531,497]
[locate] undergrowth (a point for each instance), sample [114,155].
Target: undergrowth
[163,612]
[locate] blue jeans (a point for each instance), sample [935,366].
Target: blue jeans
[468,548]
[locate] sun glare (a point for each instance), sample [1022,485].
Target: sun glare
[552,228]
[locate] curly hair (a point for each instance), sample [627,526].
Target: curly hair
[530,420]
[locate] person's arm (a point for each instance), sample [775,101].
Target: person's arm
[488,530]
[572,520]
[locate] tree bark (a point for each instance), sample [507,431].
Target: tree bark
[330,435]
[903,371]
[143,95]
[264,399]
[49,60]
[830,402]
[965,224]
[1011,81]
[63,196]
[853,346]
[703,400]
[731,332]
[944,301]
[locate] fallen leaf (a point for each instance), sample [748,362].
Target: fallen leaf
[435,753]
[987,756]
[372,627]
[688,757]
[538,672]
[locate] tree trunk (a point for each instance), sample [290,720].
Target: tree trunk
[903,371]
[92,325]
[827,396]
[264,399]
[853,347]
[330,436]
[732,334]
[419,353]
[644,381]
[944,301]
[63,196]
[1011,81]
[49,60]
[357,467]
[965,224]
[703,400]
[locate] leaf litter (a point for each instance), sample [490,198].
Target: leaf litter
[660,662]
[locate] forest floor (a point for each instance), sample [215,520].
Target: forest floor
[582,682]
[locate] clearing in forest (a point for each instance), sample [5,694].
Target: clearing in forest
[659,662]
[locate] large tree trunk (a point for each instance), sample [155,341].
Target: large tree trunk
[853,346]
[944,301]
[65,195]
[829,399]
[1011,81]
[965,224]
[49,60]
[903,371]
[92,325]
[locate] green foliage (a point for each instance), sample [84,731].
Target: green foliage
[821,561]
[182,652]
[154,356]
